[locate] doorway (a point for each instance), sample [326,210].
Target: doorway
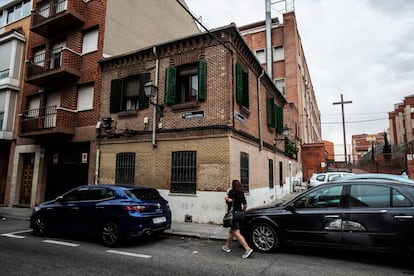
[27,179]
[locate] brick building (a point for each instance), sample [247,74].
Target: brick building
[401,122]
[217,117]
[14,30]
[55,146]
[290,74]
[364,143]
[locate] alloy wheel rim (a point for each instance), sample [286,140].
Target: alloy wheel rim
[264,238]
[110,233]
[40,225]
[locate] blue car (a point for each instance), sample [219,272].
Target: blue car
[114,212]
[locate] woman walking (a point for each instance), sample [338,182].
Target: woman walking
[235,198]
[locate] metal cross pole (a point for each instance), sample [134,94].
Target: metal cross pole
[343,122]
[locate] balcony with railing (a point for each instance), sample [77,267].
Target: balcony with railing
[54,68]
[50,17]
[46,121]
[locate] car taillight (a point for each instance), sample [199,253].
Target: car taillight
[136,208]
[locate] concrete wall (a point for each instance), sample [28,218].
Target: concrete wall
[137,24]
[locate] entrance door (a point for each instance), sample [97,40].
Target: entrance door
[27,179]
[66,169]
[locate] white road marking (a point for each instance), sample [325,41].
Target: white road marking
[129,254]
[13,234]
[61,243]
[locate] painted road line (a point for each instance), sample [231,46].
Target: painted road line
[129,254]
[61,243]
[14,234]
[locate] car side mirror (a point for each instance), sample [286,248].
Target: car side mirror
[292,207]
[60,199]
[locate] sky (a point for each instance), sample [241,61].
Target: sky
[362,49]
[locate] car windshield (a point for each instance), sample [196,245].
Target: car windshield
[144,194]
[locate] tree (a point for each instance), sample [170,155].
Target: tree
[386,150]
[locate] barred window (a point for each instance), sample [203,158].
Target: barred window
[244,170]
[183,172]
[271,183]
[125,168]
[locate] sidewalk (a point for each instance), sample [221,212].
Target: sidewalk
[188,229]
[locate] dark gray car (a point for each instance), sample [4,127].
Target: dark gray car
[375,215]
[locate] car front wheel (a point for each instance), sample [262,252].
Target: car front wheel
[265,238]
[39,226]
[111,233]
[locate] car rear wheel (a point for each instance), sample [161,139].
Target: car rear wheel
[265,238]
[111,233]
[39,226]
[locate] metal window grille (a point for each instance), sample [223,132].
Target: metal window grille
[271,183]
[244,170]
[125,168]
[183,172]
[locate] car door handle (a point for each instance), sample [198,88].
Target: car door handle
[100,207]
[332,216]
[403,217]
[74,208]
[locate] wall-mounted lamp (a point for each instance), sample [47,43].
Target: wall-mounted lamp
[151,91]
[285,132]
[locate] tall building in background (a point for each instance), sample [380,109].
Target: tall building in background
[55,148]
[401,124]
[364,143]
[290,74]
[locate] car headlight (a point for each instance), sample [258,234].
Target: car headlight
[37,208]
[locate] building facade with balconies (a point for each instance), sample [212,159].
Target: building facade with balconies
[215,116]
[59,109]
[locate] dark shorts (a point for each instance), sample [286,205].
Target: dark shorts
[238,217]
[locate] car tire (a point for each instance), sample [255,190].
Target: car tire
[265,238]
[111,233]
[39,226]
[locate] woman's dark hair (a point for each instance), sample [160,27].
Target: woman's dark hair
[237,186]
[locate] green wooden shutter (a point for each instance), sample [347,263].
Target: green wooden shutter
[245,101]
[116,96]
[143,99]
[170,85]
[202,80]
[270,110]
[279,115]
[239,83]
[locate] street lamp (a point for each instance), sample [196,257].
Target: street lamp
[151,91]
[285,132]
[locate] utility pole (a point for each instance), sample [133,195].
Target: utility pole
[342,102]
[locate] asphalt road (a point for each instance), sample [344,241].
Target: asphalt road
[21,253]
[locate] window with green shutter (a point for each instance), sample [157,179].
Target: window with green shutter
[127,94]
[242,86]
[270,113]
[279,119]
[186,83]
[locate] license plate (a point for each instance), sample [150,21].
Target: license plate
[159,220]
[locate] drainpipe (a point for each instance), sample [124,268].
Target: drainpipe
[269,62]
[97,165]
[260,109]
[154,115]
